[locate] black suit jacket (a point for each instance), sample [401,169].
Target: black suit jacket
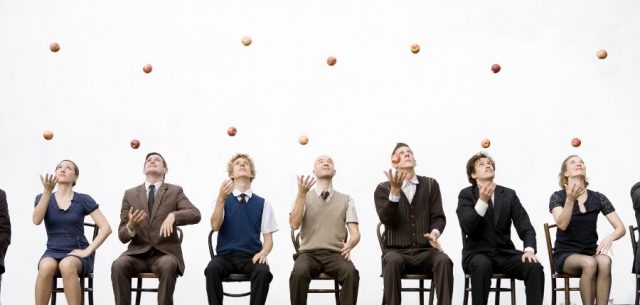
[5,229]
[485,236]
[635,198]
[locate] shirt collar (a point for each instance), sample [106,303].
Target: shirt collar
[236,193]
[147,183]
[413,180]
[318,191]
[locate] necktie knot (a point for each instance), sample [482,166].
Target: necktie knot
[243,198]
[324,195]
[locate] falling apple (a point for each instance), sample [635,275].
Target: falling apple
[331,61]
[303,140]
[54,47]
[395,159]
[575,142]
[602,54]
[47,134]
[232,131]
[135,143]
[496,68]
[246,41]
[147,68]
[415,48]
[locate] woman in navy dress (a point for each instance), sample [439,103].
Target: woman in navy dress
[68,253]
[575,210]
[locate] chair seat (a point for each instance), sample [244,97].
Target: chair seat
[323,276]
[146,275]
[416,277]
[237,277]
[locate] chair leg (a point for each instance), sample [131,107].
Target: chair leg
[336,286]
[567,300]
[422,292]
[139,291]
[497,294]
[432,291]
[90,292]
[53,291]
[637,290]
[81,290]
[465,298]
[513,291]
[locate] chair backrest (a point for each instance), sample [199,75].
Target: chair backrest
[550,248]
[95,228]
[634,241]
[380,234]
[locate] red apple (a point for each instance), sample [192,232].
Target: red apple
[331,61]
[395,159]
[47,134]
[495,68]
[575,142]
[232,131]
[485,143]
[147,68]
[135,144]
[303,140]
[602,54]
[415,48]
[246,41]
[54,47]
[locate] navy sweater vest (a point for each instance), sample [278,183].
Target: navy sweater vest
[240,230]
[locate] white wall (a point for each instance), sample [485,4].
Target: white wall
[442,101]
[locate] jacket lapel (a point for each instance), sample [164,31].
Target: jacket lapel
[159,196]
[497,204]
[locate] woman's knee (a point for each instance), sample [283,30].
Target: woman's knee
[589,266]
[604,263]
[70,266]
[47,267]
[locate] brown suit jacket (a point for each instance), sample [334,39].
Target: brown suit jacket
[169,199]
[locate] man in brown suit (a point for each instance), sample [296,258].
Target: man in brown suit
[154,245]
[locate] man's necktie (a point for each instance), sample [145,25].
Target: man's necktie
[152,197]
[243,198]
[324,195]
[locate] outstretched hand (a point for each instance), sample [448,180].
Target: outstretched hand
[49,182]
[305,183]
[396,179]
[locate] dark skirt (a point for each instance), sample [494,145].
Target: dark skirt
[560,257]
[87,262]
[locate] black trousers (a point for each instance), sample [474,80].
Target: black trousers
[311,263]
[222,265]
[482,266]
[396,262]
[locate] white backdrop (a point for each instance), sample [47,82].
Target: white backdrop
[442,101]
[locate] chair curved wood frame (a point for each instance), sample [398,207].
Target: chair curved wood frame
[295,239]
[497,289]
[233,277]
[566,288]
[86,280]
[419,277]
[138,289]
[634,247]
